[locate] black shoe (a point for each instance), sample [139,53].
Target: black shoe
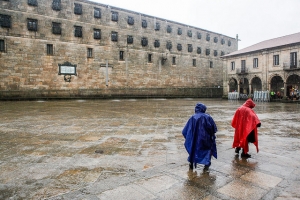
[206,167]
[245,155]
[237,150]
[191,166]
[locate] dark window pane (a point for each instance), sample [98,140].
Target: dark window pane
[156,43]
[114,36]
[32,24]
[56,28]
[179,31]
[169,29]
[179,47]
[199,35]
[114,16]
[32,2]
[77,9]
[97,12]
[198,50]
[5,21]
[2,45]
[129,39]
[190,48]
[157,26]
[169,45]
[207,37]
[189,33]
[56,5]
[49,49]
[144,42]
[78,31]
[97,34]
[130,20]
[144,23]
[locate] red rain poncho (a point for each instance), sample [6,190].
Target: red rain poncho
[244,121]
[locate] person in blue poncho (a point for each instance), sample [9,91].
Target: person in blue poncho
[200,139]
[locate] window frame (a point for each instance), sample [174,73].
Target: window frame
[89,52]
[49,49]
[276,60]
[97,15]
[97,34]
[32,24]
[255,62]
[78,31]
[174,60]
[149,58]
[2,45]
[121,55]
[293,59]
[232,65]
[194,62]
[56,28]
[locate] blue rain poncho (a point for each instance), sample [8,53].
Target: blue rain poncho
[200,140]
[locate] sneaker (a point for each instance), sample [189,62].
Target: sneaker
[237,150]
[245,155]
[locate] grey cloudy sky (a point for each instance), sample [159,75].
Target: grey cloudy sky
[253,20]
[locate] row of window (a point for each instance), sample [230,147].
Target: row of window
[56,29]
[90,54]
[150,59]
[293,61]
[56,5]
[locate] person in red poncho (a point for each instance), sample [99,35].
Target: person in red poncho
[245,122]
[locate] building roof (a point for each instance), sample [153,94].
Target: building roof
[268,44]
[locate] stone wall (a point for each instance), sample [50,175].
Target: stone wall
[26,70]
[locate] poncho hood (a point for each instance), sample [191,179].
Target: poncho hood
[249,103]
[200,107]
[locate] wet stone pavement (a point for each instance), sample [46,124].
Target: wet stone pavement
[133,149]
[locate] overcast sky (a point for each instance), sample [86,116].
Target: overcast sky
[253,20]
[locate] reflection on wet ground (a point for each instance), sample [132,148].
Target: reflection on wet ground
[133,149]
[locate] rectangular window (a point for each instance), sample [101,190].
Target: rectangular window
[2,46]
[89,52]
[255,62]
[32,2]
[97,13]
[276,60]
[56,5]
[114,16]
[77,9]
[293,59]
[149,58]
[114,36]
[121,55]
[97,34]
[232,66]
[174,60]
[56,28]
[194,62]
[211,64]
[32,24]
[243,66]
[78,31]
[49,49]
[5,21]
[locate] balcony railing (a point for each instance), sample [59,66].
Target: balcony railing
[242,71]
[287,66]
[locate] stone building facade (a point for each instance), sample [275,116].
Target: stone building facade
[78,48]
[272,65]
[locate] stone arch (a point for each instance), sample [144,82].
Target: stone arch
[292,84]
[277,85]
[233,85]
[256,84]
[244,86]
